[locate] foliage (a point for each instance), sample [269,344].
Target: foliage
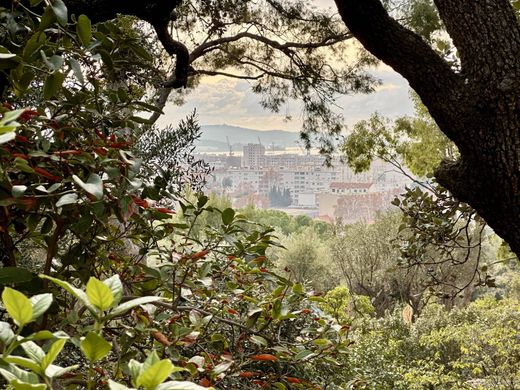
[344,306]
[285,223]
[416,141]
[306,258]
[129,281]
[279,198]
[287,49]
[388,263]
[464,348]
[436,228]
[167,156]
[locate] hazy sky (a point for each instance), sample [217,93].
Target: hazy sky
[227,101]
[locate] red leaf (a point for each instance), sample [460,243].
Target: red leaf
[232,311]
[100,134]
[118,145]
[29,202]
[248,374]
[165,210]
[205,382]
[20,155]
[291,379]
[47,174]
[264,357]
[199,255]
[21,138]
[162,339]
[101,151]
[27,115]
[140,202]
[67,152]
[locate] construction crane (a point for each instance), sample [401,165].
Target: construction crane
[259,142]
[229,146]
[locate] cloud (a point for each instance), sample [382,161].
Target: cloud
[230,101]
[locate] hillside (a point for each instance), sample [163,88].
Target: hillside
[214,137]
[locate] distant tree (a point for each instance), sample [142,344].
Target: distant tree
[168,156]
[367,257]
[306,258]
[227,182]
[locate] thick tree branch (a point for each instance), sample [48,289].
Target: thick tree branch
[488,57]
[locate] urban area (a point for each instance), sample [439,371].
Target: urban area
[301,183]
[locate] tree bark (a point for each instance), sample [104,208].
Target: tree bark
[478,108]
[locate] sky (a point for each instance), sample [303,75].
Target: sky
[220,100]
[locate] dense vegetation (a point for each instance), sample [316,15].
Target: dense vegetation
[118,273]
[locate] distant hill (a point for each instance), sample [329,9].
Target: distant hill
[214,138]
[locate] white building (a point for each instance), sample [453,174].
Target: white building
[253,156]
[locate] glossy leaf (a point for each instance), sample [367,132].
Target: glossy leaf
[95,347]
[155,375]
[84,30]
[99,294]
[18,306]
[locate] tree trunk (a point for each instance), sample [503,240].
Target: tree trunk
[477,108]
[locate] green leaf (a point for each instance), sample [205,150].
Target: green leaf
[25,363]
[18,306]
[7,137]
[60,10]
[43,335]
[67,199]
[93,186]
[95,347]
[297,288]
[321,342]
[117,386]
[18,191]
[34,351]
[276,312]
[149,107]
[76,68]
[6,333]
[181,385]
[155,375]
[123,308]
[84,30]
[76,292]
[40,304]
[19,385]
[259,340]
[15,373]
[53,352]
[56,371]
[303,355]
[48,18]
[15,275]
[99,294]
[115,285]
[227,216]
[53,85]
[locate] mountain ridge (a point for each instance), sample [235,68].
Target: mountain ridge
[214,137]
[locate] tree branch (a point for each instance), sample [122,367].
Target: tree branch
[428,74]
[489,55]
